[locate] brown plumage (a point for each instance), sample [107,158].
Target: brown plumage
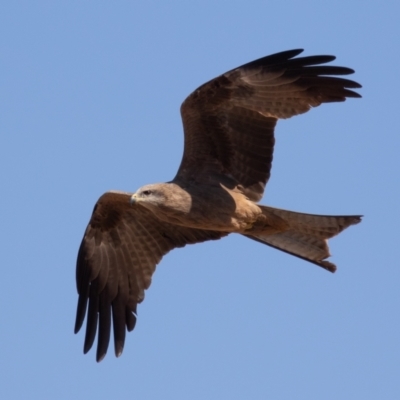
[229,127]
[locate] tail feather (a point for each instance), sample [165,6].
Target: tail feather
[306,236]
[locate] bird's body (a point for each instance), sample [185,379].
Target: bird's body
[229,127]
[203,206]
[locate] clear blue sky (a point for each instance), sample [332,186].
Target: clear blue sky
[89,101]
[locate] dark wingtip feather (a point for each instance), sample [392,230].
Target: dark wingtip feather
[131,317]
[284,55]
[119,348]
[89,338]
[119,321]
[327,265]
[101,353]
[342,70]
[272,59]
[80,313]
[311,60]
[91,320]
[350,93]
[357,219]
[103,339]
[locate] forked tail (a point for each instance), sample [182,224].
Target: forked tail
[306,236]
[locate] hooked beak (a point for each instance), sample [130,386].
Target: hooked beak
[134,199]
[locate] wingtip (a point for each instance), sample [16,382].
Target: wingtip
[78,324]
[287,54]
[357,219]
[101,353]
[86,348]
[118,348]
[328,266]
[294,51]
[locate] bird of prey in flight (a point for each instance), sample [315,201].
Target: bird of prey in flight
[229,127]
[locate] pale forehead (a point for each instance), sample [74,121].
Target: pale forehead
[151,186]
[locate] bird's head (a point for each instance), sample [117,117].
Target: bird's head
[149,196]
[161,198]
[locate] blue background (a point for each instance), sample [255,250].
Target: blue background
[89,101]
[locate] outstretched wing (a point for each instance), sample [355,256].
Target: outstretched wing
[229,121]
[119,252]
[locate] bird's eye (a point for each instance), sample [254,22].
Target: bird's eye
[146,192]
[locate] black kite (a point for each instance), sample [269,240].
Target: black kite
[229,140]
